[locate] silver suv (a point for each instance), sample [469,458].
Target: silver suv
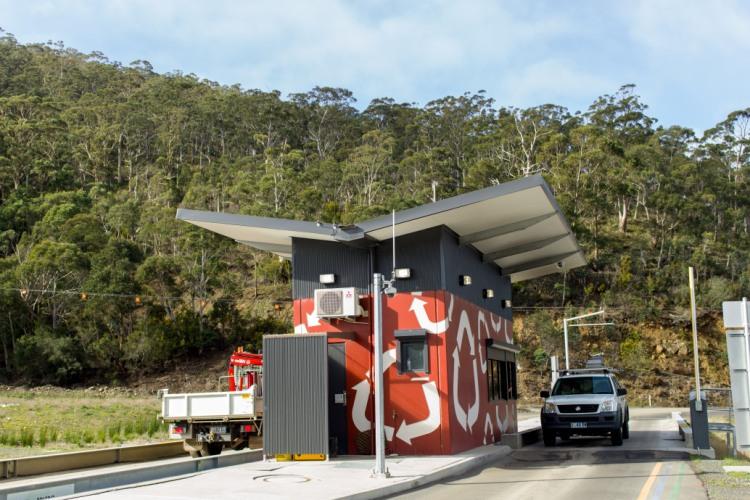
[586,402]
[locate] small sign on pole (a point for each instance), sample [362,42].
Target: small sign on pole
[737,326]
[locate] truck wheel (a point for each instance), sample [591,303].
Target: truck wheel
[211,449]
[548,437]
[238,443]
[626,430]
[617,437]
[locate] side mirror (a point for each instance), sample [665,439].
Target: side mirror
[544,394]
[622,392]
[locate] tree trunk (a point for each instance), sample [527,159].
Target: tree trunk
[622,216]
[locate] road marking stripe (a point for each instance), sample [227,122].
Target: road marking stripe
[675,494]
[661,481]
[650,481]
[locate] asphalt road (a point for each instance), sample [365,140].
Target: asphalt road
[586,468]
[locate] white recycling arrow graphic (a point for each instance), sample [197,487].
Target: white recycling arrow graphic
[496,326]
[488,423]
[502,424]
[312,320]
[359,409]
[466,418]
[481,321]
[473,414]
[450,309]
[464,327]
[407,432]
[420,311]
[458,410]
[362,394]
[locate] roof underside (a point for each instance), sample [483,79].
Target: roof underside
[517,225]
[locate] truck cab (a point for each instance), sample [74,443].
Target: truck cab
[585,402]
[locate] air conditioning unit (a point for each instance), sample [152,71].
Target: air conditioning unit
[337,303]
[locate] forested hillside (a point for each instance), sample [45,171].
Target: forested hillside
[98,281]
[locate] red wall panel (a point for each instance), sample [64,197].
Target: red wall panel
[440,412]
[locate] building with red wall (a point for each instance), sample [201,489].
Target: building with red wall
[449,355]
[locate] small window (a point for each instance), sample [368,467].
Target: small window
[501,379]
[493,379]
[412,354]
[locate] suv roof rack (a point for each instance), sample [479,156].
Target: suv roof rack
[575,371]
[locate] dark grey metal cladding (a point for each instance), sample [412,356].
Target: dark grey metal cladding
[311,258]
[295,378]
[420,252]
[435,257]
[464,259]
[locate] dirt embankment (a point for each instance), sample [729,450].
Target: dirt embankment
[655,359]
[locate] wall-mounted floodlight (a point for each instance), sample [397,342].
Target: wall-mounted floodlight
[464,280]
[402,273]
[327,279]
[506,304]
[488,293]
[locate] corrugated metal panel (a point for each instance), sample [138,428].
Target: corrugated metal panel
[465,259]
[295,377]
[311,258]
[420,252]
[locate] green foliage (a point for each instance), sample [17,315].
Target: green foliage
[633,352]
[96,156]
[46,357]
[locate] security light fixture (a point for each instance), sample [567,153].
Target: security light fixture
[488,293]
[328,279]
[84,296]
[24,293]
[464,280]
[506,304]
[137,300]
[402,273]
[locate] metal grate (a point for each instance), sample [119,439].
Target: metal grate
[330,303]
[578,408]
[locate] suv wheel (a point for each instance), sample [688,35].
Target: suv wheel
[626,430]
[617,437]
[549,437]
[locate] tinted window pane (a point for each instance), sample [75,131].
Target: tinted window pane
[412,356]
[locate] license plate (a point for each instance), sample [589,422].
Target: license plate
[218,429]
[578,425]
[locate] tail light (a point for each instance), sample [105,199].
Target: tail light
[247,428]
[176,431]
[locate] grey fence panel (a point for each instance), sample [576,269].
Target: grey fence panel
[295,378]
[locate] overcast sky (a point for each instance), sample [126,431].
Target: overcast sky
[689,59]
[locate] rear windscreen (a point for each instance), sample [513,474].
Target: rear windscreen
[582,385]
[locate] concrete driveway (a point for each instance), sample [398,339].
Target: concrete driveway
[646,466]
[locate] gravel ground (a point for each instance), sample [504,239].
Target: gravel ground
[719,484]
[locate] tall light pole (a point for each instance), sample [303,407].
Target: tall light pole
[377,376]
[379,285]
[566,325]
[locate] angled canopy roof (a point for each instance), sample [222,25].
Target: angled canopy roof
[517,225]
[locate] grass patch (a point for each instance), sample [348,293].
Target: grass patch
[65,420]
[735,461]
